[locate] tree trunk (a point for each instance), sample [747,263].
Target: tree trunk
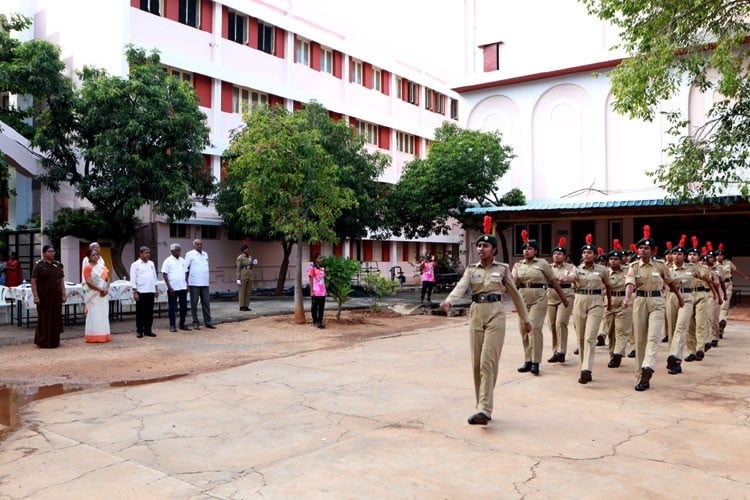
[299,307]
[287,249]
[117,265]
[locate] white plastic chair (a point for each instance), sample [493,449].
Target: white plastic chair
[4,304]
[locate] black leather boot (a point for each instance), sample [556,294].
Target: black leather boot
[526,367]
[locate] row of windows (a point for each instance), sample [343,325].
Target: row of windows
[181,231]
[240,28]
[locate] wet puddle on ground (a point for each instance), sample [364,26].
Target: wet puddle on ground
[12,400]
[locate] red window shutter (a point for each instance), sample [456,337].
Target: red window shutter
[386,84]
[367,250]
[314,249]
[336,117]
[252,33]
[385,251]
[351,61]
[417,144]
[404,251]
[279,43]
[367,74]
[207,14]
[337,64]
[353,122]
[315,56]
[224,23]
[296,106]
[135,3]
[405,89]
[338,249]
[384,139]
[172,9]
[226,97]
[274,100]
[202,85]
[491,62]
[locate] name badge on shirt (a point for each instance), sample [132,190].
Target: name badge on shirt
[655,275]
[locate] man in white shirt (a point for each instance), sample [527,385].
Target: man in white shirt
[145,290]
[196,261]
[174,271]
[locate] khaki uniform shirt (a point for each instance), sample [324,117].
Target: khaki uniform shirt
[590,278]
[688,277]
[727,269]
[494,278]
[649,277]
[244,267]
[564,270]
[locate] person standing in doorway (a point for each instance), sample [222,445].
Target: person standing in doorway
[245,263]
[318,292]
[145,290]
[48,288]
[428,277]
[196,261]
[174,270]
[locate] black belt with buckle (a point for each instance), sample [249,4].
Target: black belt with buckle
[566,285]
[618,294]
[648,293]
[686,290]
[701,289]
[531,285]
[486,297]
[588,292]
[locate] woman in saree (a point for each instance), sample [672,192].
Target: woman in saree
[96,276]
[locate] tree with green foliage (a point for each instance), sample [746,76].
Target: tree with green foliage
[380,286]
[288,179]
[339,274]
[357,170]
[671,43]
[461,171]
[121,143]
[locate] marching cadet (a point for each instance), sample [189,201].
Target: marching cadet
[618,320]
[558,315]
[727,270]
[602,260]
[669,320]
[588,308]
[700,328]
[645,278]
[487,280]
[688,277]
[717,302]
[533,276]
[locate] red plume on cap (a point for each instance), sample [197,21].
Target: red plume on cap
[487,224]
[669,245]
[710,246]
[525,236]
[600,251]
[721,247]
[633,248]
[683,238]
[616,245]
[647,231]
[703,251]
[589,239]
[694,239]
[562,242]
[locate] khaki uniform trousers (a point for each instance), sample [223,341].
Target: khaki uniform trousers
[715,312]
[588,311]
[682,319]
[558,318]
[672,310]
[246,289]
[724,313]
[536,305]
[648,320]
[699,331]
[618,325]
[486,338]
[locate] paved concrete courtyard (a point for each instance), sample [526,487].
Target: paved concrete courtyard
[386,418]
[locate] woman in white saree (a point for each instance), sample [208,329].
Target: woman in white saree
[96,276]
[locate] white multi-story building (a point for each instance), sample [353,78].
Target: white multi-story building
[238,54]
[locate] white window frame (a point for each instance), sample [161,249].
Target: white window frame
[399,87]
[185,76]
[326,60]
[412,93]
[454,109]
[370,131]
[302,51]
[245,99]
[439,103]
[377,79]
[239,19]
[357,71]
[428,93]
[263,27]
[197,4]
[150,4]
[405,143]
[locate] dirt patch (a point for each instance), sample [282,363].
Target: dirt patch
[128,359]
